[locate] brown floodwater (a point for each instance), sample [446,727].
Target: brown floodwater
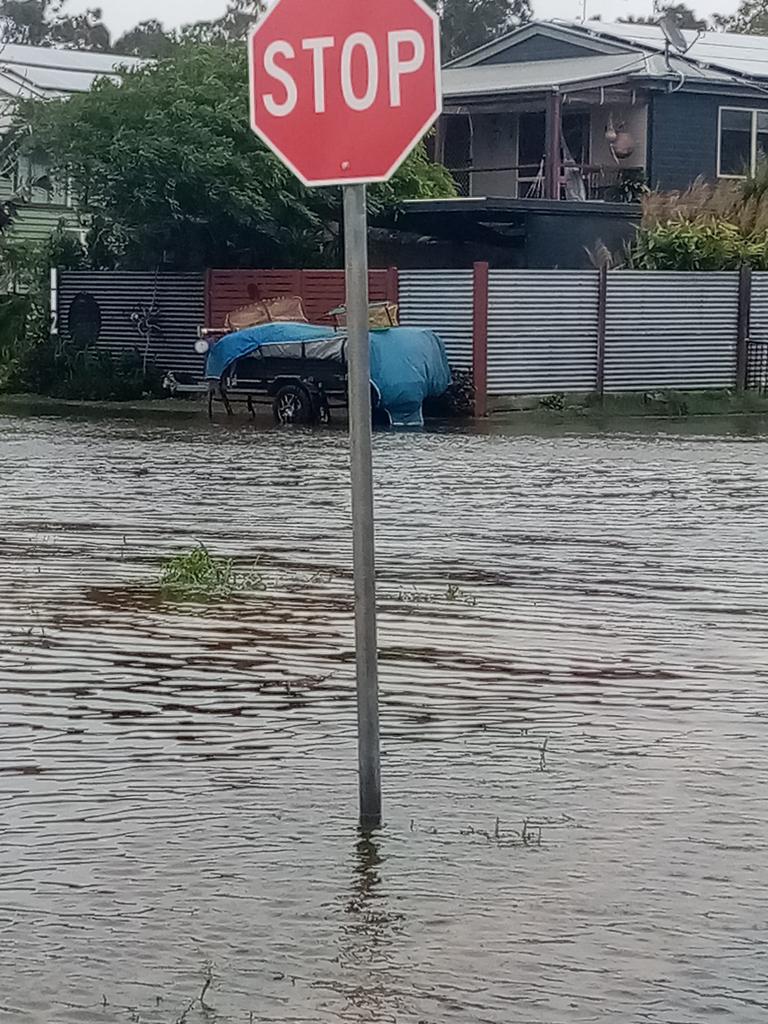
[574,659]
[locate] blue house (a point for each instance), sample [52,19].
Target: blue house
[595,111]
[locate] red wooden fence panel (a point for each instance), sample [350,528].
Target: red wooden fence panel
[321,290]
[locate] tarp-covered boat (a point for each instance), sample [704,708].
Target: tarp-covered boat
[408,365]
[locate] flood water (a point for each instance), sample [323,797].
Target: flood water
[574,645]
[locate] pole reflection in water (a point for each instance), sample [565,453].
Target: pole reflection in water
[368,936]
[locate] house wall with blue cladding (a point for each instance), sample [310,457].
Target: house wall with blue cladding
[682,130]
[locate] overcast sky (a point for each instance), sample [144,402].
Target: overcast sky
[121,15]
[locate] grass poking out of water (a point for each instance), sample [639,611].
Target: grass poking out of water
[198,573]
[413,595]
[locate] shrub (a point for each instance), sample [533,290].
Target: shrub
[14,310]
[44,368]
[32,361]
[705,227]
[709,244]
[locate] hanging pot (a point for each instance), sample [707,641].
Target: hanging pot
[624,145]
[610,131]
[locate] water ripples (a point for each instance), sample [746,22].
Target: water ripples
[573,659]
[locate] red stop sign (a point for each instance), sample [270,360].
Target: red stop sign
[342,90]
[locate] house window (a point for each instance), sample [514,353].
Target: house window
[32,179]
[743,141]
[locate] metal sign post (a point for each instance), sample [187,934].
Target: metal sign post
[341,91]
[359,383]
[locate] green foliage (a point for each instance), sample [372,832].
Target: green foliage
[151,39]
[750,18]
[554,402]
[7,214]
[24,275]
[148,39]
[44,23]
[706,227]
[13,314]
[169,162]
[44,368]
[468,24]
[754,189]
[685,17]
[232,26]
[31,361]
[704,245]
[631,185]
[199,573]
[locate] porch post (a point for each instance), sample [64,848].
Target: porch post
[552,161]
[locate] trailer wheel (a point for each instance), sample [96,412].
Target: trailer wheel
[292,405]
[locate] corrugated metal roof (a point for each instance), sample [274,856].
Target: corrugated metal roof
[58,72]
[533,76]
[528,76]
[14,86]
[745,54]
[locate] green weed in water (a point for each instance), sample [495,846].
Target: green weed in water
[412,595]
[454,592]
[198,572]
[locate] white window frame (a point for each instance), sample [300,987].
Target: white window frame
[753,111]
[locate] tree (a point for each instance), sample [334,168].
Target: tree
[467,24]
[232,26]
[148,39]
[685,17]
[168,163]
[750,18]
[24,21]
[44,23]
[81,31]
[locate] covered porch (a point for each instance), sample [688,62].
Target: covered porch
[504,134]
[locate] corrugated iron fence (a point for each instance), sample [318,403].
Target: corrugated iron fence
[139,312]
[675,330]
[542,331]
[523,332]
[551,331]
[442,300]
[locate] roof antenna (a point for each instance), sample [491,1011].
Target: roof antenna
[673,35]
[675,40]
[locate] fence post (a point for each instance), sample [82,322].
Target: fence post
[602,307]
[742,330]
[393,286]
[208,285]
[480,338]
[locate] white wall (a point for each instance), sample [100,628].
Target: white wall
[494,144]
[635,119]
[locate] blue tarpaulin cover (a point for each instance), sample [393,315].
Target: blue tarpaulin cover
[408,364]
[243,343]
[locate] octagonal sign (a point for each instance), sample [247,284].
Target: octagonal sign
[342,90]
